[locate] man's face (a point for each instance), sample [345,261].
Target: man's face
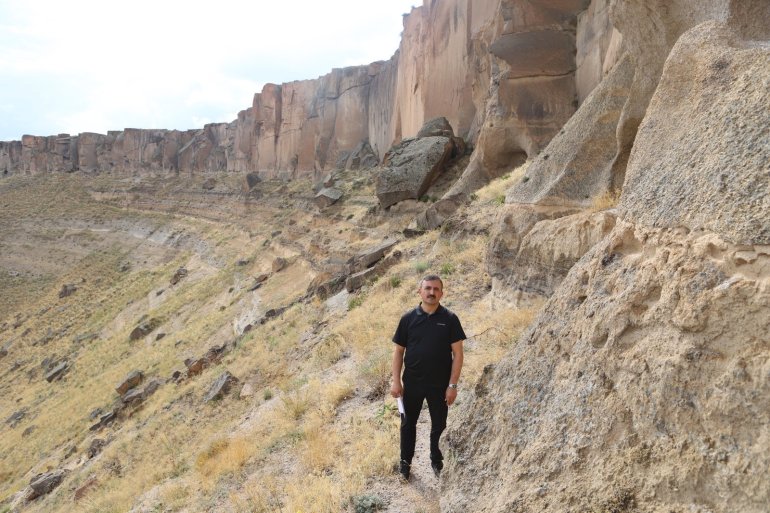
[430,292]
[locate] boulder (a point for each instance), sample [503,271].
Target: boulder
[133,396]
[133,379]
[4,350]
[327,197]
[220,387]
[43,484]
[209,184]
[411,167]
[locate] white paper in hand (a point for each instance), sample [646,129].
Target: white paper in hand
[400,403]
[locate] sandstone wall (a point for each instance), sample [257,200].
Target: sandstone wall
[643,384]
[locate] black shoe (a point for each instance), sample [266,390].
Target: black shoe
[404,468]
[437,467]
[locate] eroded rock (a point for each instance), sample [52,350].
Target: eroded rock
[220,387]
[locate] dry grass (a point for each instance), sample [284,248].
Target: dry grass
[314,445]
[497,188]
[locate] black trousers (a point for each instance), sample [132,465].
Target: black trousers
[414,395]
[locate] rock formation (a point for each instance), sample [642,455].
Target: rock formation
[457,59]
[640,386]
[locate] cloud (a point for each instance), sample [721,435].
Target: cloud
[91,65]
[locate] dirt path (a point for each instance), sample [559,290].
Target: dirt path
[420,494]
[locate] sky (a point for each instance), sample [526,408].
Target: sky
[92,66]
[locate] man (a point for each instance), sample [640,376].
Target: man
[429,346]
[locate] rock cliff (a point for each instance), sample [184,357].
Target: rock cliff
[504,74]
[643,384]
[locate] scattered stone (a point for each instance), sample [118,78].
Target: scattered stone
[85,488]
[195,366]
[327,197]
[369,257]
[242,262]
[209,184]
[176,376]
[4,350]
[133,396]
[126,266]
[159,336]
[43,484]
[94,413]
[104,420]
[57,372]
[357,280]
[28,431]
[221,386]
[86,337]
[67,290]
[279,264]
[96,446]
[246,391]
[250,181]
[151,387]
[178,275]
[16,417]
[133,379]
[144,329]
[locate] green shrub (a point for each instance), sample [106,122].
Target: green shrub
[421,266]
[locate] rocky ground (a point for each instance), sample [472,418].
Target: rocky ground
[169,343]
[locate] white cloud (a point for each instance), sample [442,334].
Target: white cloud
[89,65]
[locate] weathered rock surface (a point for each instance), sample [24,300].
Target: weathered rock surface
[57,371]
[715,178]
[67,290]
[133,379]
[411,167]
[43,484]
[643,385]
[221,386]
[327,197]
[144,328]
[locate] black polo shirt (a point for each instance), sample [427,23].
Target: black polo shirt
[428,339]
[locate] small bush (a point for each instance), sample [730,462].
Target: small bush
[395,282]
[500,200]
[367,503]
[421,266]
[267,395]
[447,269]
[354,302]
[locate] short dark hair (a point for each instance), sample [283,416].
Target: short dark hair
[432,277]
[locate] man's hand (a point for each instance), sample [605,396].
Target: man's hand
[451,395]
[396,389]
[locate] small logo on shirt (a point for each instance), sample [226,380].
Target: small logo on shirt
[440,324]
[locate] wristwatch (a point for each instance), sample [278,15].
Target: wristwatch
[453,385]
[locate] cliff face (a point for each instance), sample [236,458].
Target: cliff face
[643,384]
[502,72]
